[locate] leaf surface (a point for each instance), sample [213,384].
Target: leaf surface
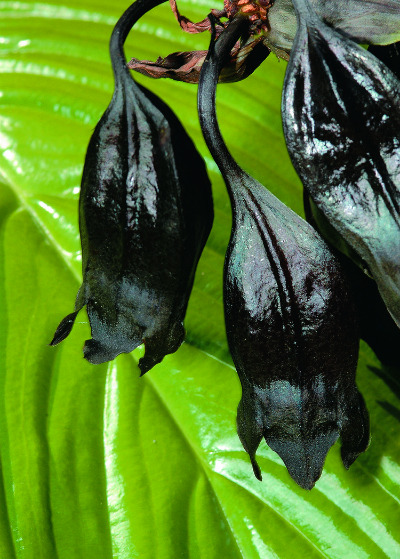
[97,462]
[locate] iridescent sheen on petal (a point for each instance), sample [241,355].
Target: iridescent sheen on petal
[341,119]
[145,214]
[289,314]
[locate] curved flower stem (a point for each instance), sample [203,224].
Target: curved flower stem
[217,55]
[303,9]
[121,31]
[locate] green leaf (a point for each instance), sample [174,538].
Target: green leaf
[95,461]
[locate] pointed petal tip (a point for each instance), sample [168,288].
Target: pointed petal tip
[350,456]
[160,345]
[307,482]
[144,367]
[347,463]
[306,478]
[306,472]
[148,361]
[304,456]
[355,432]
[256,468]
[64,328]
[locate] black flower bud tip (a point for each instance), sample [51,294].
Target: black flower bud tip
[290,318]
[145,214]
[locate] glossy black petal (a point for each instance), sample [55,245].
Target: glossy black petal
[341,117]
[289,317]
[145,214]
[376,326]
[389,55]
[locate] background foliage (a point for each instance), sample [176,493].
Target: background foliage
[96,462]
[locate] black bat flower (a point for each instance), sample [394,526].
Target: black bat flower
[341,117]
[289,316]
[145,214]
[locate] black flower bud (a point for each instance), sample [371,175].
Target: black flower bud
[289,316]
[145,214]
[341,117]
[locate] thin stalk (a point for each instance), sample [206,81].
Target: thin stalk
[217,56]
[121,31]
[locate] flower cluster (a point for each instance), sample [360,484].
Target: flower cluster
[295,302]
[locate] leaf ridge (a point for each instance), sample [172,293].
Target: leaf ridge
[207,468]
[45,232]
[28,331]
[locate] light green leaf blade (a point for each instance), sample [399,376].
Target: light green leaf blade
[97,462]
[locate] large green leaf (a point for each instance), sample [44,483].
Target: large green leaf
[97,462]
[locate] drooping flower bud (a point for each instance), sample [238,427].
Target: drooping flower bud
[289,317]
[341,117]
[145,214]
